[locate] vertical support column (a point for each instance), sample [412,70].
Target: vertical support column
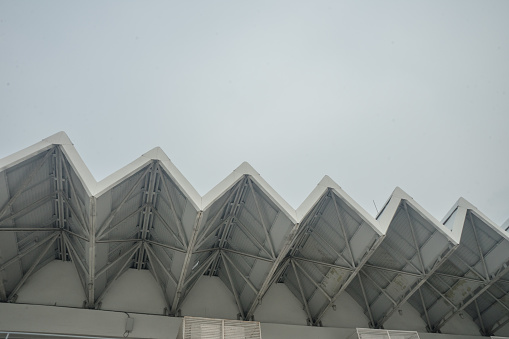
[91,253]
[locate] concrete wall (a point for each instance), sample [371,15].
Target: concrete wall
[136,292]
[61,320]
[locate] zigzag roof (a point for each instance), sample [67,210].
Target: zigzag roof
[147,215]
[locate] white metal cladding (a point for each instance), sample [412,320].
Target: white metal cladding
[365,333]
[147,216]
[206,328]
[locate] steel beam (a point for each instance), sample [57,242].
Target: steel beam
[118,274]
[60,210]
[262,221]
[303,296]
[306,274]
[234,290]
[101,229]
[350,278]
[480,318]
[380,288]
[406,295]
[81,208]
[152,271]
[73,211]
[292,237]
[441,295]
[414,239]
[492,281]
[229,250]
[187,260]
[321,263]
[210,224]
[36,245]
[343,229]
[425,311]
[165,246]
[246,279]
[191,281]
[481,254]
[174,213]
[251,237]
[32,268]
[74,255]
[29,208]
[148,219]
[76,262]
[114,226]
[499,324]
[168,228]
[92,218]
[213,232]
[322,240]
[154,257]
[368,306]
[129,253]
[228,225]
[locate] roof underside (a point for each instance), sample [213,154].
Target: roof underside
[147,221]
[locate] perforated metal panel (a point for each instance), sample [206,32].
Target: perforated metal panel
[205,328]
[365,333]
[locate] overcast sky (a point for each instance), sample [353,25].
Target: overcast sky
[375,94]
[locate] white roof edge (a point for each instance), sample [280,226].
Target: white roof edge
[60,139]
[505,225]
[391,207]
[380,224]
[154,154]
[246,169]
[30,151]
[326,183]
[178,178]
[465,204]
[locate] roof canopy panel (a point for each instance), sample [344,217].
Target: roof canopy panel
[147,216]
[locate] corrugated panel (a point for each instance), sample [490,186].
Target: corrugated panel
[121,190]
[19,173]
[176,196]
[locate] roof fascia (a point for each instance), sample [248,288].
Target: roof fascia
[31,151]
[156,154]
[387,214]
[321,188]
[462,202]
[246,169]
[176,176]
[80,169]
[58,139]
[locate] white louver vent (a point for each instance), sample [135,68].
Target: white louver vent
[205,328]
[366,333]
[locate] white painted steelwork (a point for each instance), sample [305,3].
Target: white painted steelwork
[147,216]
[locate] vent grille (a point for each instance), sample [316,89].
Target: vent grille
[205,328]
[365,333]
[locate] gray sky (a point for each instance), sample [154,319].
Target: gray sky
[375,94]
